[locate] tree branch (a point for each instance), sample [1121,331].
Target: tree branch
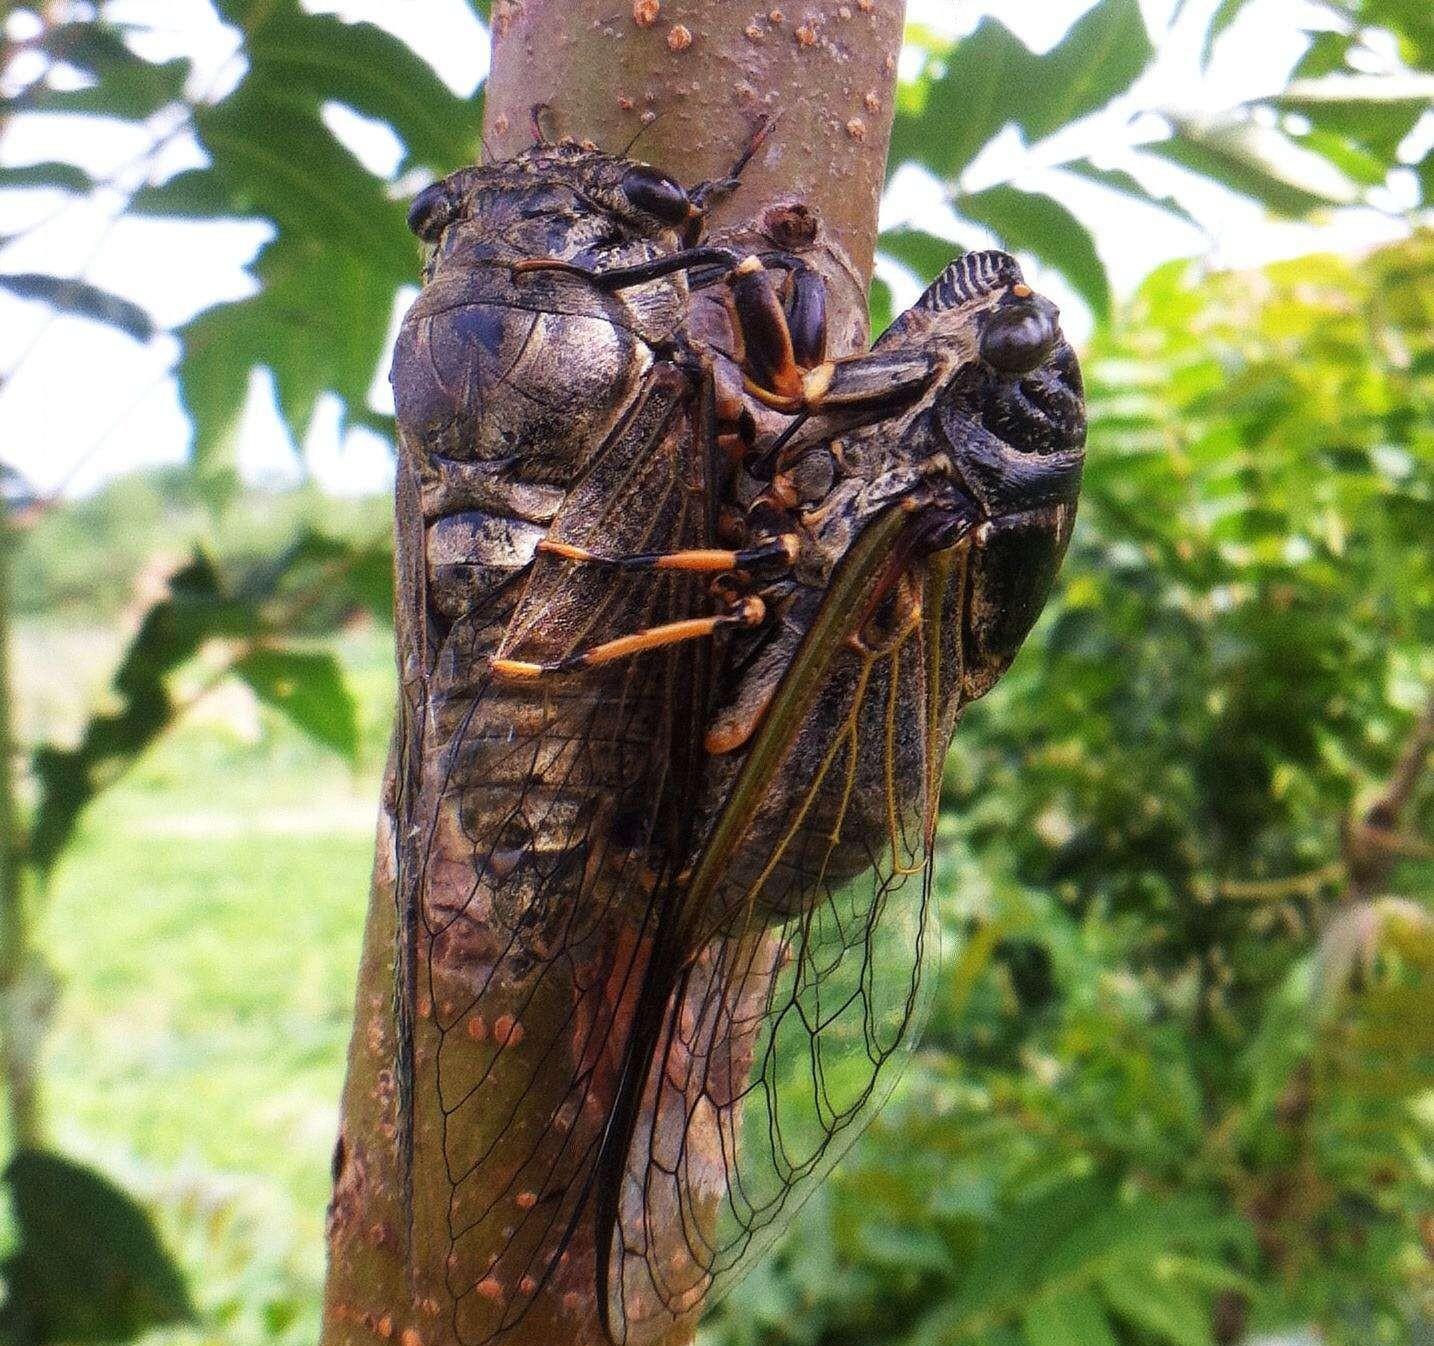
[686,82]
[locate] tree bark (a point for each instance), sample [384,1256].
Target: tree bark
[687,81]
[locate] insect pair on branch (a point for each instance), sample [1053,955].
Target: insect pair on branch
[687,613]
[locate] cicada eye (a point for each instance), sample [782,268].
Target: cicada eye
[432,208]
[656,194]
[1019,337]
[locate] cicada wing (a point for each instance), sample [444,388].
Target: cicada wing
[810,919]
[539,827]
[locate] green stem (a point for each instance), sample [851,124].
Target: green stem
[16,1064]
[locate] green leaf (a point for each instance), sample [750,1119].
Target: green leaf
[1412,22]
[1226,14]
[79,299]
[66,177]
[309,689]
[970,102]
[1327,54]
[90,1266]
[349,574]
[879,307]
[991,79]
[323,58]
[1102,55]
[257,611]
[1011,1265]
[1160,1306]
[319,322]
[1253,161]
[1357,122]
[1074,1319]
[1041,225]
[170,634]
[326,284]
[1375,111]
[125,85]
[1126,184]
[274,158]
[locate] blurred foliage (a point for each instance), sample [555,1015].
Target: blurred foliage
[1178,1086]
[88,1266]
[247,628]
[1331,137]
[1179,1082]
[145,523]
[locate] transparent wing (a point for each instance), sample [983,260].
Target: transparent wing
[534,827]
[810,911]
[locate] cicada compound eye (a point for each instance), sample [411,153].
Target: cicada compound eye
[656,194]
[432,208]
[1019,337]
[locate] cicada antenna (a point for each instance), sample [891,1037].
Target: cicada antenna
[766,124]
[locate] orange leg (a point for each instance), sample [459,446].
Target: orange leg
[748,613]
[696,560]
[780,334]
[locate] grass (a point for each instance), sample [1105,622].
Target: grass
[205,929]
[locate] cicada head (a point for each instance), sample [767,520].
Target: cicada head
[556,198]
[645,197]
[1009,365]
[1011,413]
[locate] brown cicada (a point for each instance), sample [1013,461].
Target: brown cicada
[666,807]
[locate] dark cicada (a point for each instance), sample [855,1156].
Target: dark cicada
[551,410]
[927,491]
[664,901]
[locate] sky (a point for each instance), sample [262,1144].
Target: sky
[129,413]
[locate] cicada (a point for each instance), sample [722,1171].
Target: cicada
[667,799]
[550,407]
[928,490]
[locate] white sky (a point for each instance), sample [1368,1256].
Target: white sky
[128,412]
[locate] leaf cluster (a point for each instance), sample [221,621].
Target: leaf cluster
[1092,109]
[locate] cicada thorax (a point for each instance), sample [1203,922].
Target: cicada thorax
[505,382]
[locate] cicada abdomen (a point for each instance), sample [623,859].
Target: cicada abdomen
[931,488]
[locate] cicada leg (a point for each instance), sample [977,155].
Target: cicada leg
[707,561]
[639,273]
[779,334]
[747,613]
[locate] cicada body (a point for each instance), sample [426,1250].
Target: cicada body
[537,819]
[931,489]
[980,468]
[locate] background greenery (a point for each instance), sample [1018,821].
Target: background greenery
[1178,1089]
